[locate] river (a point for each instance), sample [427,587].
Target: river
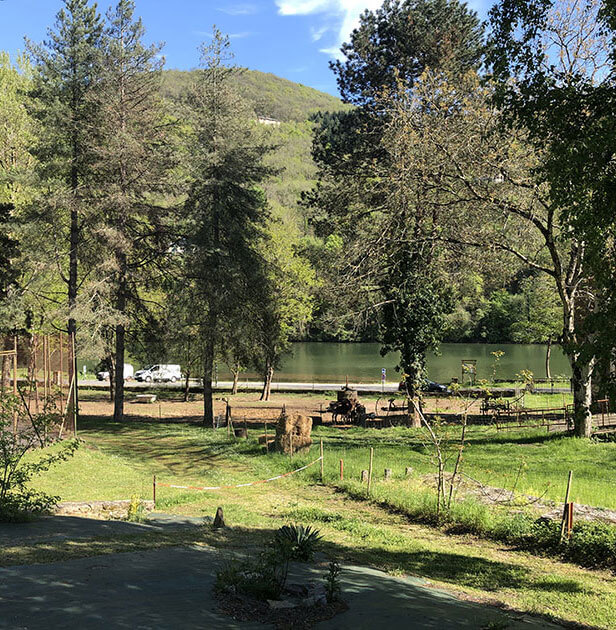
[362,362]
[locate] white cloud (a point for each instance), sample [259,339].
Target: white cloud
[317,33]
[344,15]
[243,8]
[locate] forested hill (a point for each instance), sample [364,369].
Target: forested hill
[271,96]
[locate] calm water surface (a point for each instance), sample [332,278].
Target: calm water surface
[362,362]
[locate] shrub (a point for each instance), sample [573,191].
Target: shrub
[332,582]
[592,544]
[297,542]
[262,577]
[136,510]
[18,501]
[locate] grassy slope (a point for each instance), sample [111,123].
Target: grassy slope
[269,95]
[118,460]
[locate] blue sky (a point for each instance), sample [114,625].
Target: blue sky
[294,39]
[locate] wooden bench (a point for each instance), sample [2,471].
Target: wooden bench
[145,398]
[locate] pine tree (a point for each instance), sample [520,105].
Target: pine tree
[68,66]
[133,156]
[225,211]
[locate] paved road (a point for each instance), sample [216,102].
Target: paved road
[376,388]
[252,386]
[172,588]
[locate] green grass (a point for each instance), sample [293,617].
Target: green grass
[118,460]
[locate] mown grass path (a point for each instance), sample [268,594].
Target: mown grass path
[119,460]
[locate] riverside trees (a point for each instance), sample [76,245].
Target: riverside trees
[366,193]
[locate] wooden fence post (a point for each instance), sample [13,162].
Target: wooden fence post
[564,521]
[341,470]
[14,381]
[370,469]
[321,460]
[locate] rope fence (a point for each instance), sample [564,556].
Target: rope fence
[160,484]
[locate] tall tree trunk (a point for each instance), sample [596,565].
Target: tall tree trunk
[581,382]
[208,368]
[120,341]
[267,381]
[111,380]
[548,352]
[72,278]
[236,379]
[6,345]
[187,386]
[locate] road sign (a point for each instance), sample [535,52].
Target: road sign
[383,374]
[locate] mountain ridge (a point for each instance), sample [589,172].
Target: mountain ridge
[271,96]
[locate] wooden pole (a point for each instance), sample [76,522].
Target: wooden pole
[49,367]
[564,521]
[370,469]
[45,369]
[321,460]
[154,489]
[15,381]
[61,379]
[266,440]
[75,389]
[569,519]
[341,470]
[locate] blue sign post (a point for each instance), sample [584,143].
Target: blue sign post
[383,378]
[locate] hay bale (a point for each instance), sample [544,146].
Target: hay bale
[293,433]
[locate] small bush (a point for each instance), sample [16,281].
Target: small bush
[136,510]
[18,501]
[332,583]
[297,542]
[262,577]
[592,545]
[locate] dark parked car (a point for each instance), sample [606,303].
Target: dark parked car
[432,387]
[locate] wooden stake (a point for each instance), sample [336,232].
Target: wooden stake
[569,519]
[75,390]
[154,489]
[266,441]
[564,521]
[61,383]
[341,470]
[15,381]
[370,469]
[321,460]
[45,369]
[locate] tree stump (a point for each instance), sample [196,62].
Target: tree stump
[241,433]
[364,476]
[408,471]
[219,519]
[387,474]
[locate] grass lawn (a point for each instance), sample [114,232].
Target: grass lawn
[117,461]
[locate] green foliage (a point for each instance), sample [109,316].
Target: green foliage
[269,96]
[136,510]
[332,582]
[298,542]
[403,38]
[19,501]
[262,577]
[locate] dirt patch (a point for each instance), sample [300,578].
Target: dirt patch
[247,407]
[100,509]
[248,609]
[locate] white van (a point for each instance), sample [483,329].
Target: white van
[159,373]
[128,373]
